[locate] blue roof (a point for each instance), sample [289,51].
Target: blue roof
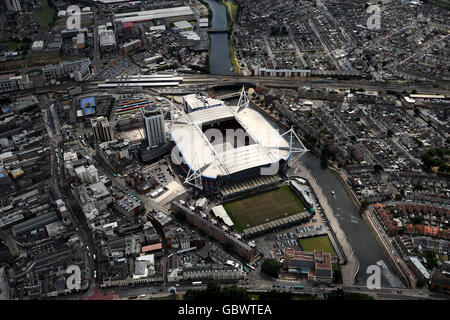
[87,105]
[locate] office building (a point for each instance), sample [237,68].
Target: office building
[102,129]
[315,266]
[78,69]
[153,125]
[87,174]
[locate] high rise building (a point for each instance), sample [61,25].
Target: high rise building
[153,125]
[13,5]
[102,129]
[87,174]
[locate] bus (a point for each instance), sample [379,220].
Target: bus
[246,270]
[197,283]
[250,266]
[299,287]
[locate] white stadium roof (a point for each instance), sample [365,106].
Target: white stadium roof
[221,159]
[219,211]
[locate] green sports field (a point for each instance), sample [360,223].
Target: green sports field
[272,205]
[317,243]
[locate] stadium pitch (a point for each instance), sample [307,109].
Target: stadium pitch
[254,210]
[317,243]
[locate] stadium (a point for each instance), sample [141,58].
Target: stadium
[228,149]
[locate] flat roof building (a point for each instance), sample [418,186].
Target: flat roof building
[168,14]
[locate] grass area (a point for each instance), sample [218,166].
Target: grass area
[231,9]
[439,3]
[272,205]
[12,65]
[233,58]
[41,58]
[317,243]
[13,45]
[44,14]
[34,73]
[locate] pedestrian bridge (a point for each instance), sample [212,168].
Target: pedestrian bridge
[217,30]
[229,96]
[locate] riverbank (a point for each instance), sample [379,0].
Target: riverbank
[233,58]
[367,216]
[232,10]
[342,179]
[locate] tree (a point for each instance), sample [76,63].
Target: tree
[364,206]
[271,267]
[416,111]
[377,167]
[389,133]
[228,247]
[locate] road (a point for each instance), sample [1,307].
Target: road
[64,192]
[155,292]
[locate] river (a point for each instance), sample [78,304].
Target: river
[219,53]
[355,228]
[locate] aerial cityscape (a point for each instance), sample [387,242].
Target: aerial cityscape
[206,150]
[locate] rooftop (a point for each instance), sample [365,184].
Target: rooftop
[198,152]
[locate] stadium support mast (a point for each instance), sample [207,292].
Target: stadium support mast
[172,113]
[243,100]
[194,177]
[297,151]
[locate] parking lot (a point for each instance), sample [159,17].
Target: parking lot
[160,171]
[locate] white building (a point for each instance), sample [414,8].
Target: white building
[87,174]
[37,46]
[195,102]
